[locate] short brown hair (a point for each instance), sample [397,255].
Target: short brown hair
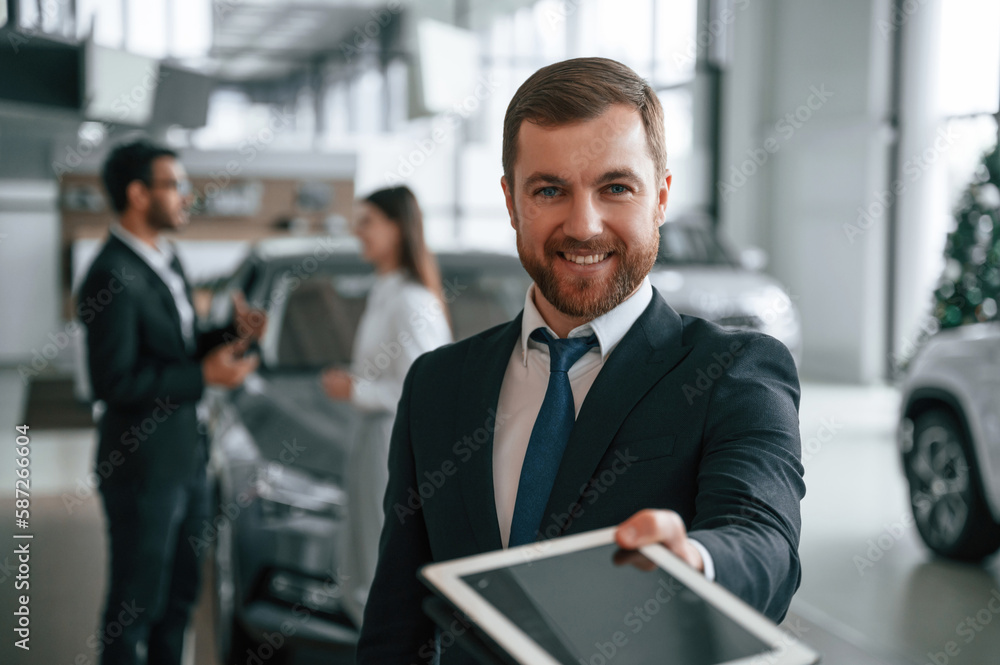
[582,89]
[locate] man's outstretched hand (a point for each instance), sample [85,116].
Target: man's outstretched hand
[659,526]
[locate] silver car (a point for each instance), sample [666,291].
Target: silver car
[949,438]
[698,274]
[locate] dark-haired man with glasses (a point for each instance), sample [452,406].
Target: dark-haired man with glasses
[149,366]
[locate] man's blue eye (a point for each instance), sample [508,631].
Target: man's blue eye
[618,189]
[548,191]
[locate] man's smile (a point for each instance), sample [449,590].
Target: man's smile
[585,259]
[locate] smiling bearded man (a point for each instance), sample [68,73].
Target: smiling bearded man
[531,415]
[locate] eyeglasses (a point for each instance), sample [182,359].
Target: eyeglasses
[183,187]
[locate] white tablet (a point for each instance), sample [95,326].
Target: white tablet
[580,600]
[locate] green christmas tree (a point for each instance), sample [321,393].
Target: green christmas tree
[969,288]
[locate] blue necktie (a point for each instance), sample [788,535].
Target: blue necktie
[548,437]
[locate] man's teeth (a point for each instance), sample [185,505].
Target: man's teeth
[586,259]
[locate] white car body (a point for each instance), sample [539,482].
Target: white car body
[959,369]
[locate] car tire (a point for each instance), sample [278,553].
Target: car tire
[946,493]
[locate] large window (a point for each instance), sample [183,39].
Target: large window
[968,85]
[153,28]
[658,39]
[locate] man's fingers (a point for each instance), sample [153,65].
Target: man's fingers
[651,526]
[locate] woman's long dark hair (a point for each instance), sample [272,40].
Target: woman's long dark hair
[400,206]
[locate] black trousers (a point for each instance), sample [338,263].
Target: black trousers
[155,570]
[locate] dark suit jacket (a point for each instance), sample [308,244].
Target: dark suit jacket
[684,415]
[139,366]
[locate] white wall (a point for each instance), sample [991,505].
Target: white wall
[29,275]
[924,204]
[823,163]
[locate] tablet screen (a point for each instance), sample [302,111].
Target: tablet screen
[591,608]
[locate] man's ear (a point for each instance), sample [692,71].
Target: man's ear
[137,195]
[664,194]
[508,196]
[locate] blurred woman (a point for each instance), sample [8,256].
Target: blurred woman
[404,317]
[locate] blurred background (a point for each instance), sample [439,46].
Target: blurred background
[835,186]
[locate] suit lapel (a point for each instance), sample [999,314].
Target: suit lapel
[650,349]
[155,281]
[482,377]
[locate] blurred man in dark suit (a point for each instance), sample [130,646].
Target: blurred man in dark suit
[149,365]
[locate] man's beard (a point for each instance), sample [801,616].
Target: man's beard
[160,218]
[589,297]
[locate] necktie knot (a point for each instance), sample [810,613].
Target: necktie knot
[563,353]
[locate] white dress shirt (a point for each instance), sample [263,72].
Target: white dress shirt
[159,259]
[402,320]
[526,380]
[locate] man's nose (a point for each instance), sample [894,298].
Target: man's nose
[584,219]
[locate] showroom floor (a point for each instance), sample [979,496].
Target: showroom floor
[870,594]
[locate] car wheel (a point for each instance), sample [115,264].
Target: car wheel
[945,490]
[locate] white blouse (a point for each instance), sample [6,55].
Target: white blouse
[401,321]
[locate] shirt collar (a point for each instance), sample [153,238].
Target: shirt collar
[160,257]
[609,327]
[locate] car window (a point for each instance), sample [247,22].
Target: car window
[245,279]
[477,301]
[690,245]
[320,317]
[316,316]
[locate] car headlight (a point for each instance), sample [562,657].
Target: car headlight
[288,492]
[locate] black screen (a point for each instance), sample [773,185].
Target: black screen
[603,606]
